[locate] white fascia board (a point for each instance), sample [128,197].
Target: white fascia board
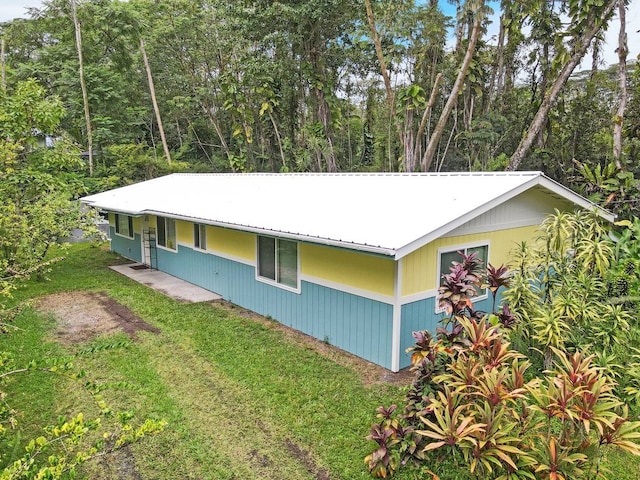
[444,229]
[133,213]
[540,180]
[573,197]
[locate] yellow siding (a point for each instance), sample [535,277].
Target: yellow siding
[184,232]
[420,268]
[232,242]
[112,219]
[365,272]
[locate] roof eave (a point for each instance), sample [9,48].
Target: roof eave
[570,195]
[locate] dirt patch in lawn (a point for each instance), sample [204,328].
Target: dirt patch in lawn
[82,316]
[307,460]
[370,373]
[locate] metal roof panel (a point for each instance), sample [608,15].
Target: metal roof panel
[387,213]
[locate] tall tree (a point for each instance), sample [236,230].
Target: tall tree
[622,77]
[587,22]
[477,10]
[83,85]
[152,92]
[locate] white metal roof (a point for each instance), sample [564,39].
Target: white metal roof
[386,213]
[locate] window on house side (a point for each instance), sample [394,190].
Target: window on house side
[124,225]
[200,236]
[166,232]
[278,261]
[446,259]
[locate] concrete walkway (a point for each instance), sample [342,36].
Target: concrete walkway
[163,282]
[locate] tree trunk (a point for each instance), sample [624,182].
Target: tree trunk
[277,132]
[495,81]
[383,63]
[323,111]
[3,60]
[156,109]
[551,96]
[429,153]
[622,74]
[83,86]
[427,112]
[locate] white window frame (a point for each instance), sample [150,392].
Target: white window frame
[175,231]
[268,280]
[202,234]
[129,226]
[462,247]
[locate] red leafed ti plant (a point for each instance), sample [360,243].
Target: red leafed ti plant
[473,405]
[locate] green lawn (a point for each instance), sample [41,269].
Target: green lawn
[243,398]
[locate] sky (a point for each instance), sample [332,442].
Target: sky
[10,9]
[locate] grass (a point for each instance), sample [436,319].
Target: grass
[241,397]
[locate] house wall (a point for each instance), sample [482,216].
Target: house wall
[501,228]
[346,298]
[420,280]
[368,275]
[341,300]
[130,248]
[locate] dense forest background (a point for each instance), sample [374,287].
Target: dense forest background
[151,87]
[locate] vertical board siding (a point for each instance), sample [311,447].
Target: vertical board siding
[355,269]
[232,242]
[355,324]
[421,315]
[127,247]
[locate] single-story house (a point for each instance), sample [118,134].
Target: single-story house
[353,259]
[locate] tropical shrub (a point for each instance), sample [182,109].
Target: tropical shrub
[477,402]
[576,288]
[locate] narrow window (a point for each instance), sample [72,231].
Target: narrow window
[278,261]
[200,236]
[267,257]
[124,225]
[166,232]
[287,263]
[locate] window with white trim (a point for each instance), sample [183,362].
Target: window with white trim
[124,225]
[166,232]
[200,236]
[447,257]
[278,261]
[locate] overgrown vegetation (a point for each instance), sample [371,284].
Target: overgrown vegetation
[310,86]
[38,213]
[536,389]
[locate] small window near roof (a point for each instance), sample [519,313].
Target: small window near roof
[124,225]
[450,256]
[278,261]
[200,236]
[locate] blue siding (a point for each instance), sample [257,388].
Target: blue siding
[128,248]
[355,324]
[421,315]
